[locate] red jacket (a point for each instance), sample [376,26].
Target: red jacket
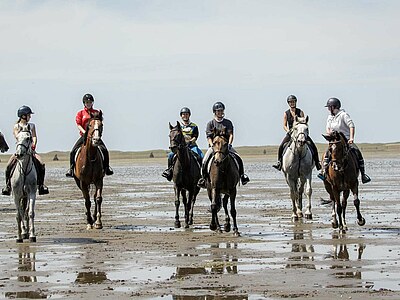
[83,116]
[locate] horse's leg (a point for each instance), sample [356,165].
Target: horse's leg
[335,223]
[346,194]
[186,205]
[192,197]
[293,196]
[177,204]
[227,225]
[86,196]
[31,217]
[233,211]
[360,219]
[300,197]
[339,209]
[98,201]
[308,192]
[215,204]
[18,217]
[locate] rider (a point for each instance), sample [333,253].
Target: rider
[220,123]
[288,119]
[339,120]
[191,133]
[82,118]
[24,114]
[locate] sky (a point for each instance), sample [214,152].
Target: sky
[143,60]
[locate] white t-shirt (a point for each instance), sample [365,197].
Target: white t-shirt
[341,122]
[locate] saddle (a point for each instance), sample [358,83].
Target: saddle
[98,151]
[211,160]
[197,158]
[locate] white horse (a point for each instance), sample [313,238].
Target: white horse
[297,165]
[24,186]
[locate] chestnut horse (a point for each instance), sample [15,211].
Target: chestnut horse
[222,180]
[186,174]
[3,144]
[342,177]
[89,169]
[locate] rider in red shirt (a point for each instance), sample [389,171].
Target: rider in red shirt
[81,119]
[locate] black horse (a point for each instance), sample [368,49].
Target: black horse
[186,174]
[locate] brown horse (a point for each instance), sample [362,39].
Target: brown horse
[3,143]
[342,177]
[89,169]
[222,180]
[186,174]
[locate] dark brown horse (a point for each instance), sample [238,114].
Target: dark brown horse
[342,177]
[222,180]
[89,169]
[186,174]
[3,143]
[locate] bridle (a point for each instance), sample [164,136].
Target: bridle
[339,164]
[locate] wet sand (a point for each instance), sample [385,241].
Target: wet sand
[138,254]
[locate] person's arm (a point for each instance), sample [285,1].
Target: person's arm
[230,140]
[352,134]
[78,120]
[15,130]
[195,135]
[285,123]
[34,136]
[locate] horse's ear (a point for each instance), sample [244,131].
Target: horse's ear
[170,126]
[296,119]
[327,137]
[100,114]
[306,119]
[178,125]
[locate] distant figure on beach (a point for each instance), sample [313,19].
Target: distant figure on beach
[220,124]
[191,133]
[339,120]
[82,119]
[24,114]
[288,118]
[55,158]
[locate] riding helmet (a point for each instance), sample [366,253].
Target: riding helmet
[334,102]
[291,98]
[185,110]
[87,97]
[24,110]
[218,106]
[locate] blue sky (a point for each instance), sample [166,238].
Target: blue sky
[144,60]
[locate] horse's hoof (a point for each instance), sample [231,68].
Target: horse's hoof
[19,241]
[191,222]
[295,218]
[361,222]
[25,236]
[177,224]
[32,239]
[98,226]
[213,227]
[309,217]
[186,226]
[236,233]
[89,226]
[335,225]
[227,227]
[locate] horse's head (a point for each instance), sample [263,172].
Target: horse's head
[220,147]
[94,128]
[3,143]
[300,130]
[338,148]
[24,141]
[176,138]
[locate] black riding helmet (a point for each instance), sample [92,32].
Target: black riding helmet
[87,97]
[291,98]
[333,102]
[24,110]
[185,110]
[218,106]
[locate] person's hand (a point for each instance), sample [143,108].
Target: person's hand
[351,141]
[33,147]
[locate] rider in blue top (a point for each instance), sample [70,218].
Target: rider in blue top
[191,133]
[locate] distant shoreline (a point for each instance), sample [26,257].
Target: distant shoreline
[268,152]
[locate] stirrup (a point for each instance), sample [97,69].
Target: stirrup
[167,174]
[365,178]
[278,166]
[70,173]
[321,176]
[244,179]
[43,190]
[109,171]
[6,191]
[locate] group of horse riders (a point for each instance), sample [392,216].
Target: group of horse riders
[82,118]
[338,120]
[190,131]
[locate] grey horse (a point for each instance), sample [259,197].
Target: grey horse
[24,186]
[297,166]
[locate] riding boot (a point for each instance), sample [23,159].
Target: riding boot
[243,177]
[324,169]
[70,172]
[278,165]
[7,189]
[41,171]
[364,177]
[106,156]
[168,173]
[202,181]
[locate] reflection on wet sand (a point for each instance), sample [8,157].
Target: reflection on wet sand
[26,274]
[343,269]
[225,262]
[91,277]
[305,251]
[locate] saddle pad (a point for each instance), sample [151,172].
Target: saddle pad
[98,150]
[210,161]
